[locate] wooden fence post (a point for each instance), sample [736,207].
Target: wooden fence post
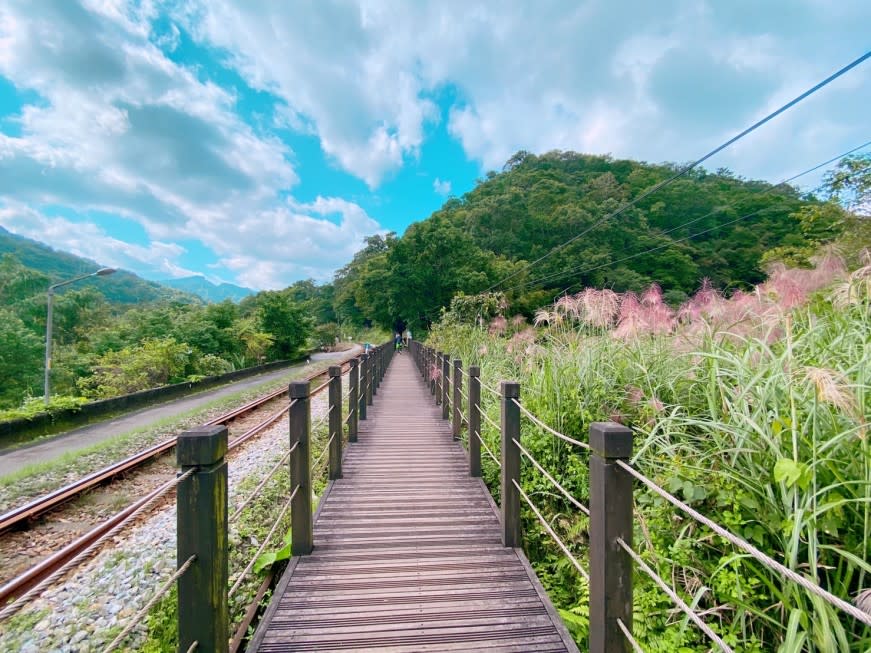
[446,385]
[610,518]
[300,470]
[431,368]
[353,399]
[376,363]
[370,377]
[335,421]
[474,420]
[364,380]
[201,523]
[510,413]
[457,425]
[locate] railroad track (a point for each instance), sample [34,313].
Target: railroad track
[24,515]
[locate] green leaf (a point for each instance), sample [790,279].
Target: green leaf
[787,471]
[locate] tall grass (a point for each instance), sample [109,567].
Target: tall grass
[754,410]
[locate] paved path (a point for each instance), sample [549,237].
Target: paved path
[407,550]
[47,449]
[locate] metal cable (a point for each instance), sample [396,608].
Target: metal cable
[260,487]
[680,173]
[552,533]
[755,553]
[324,452]
[487,449]
[554,432]
[263,546]
[137,618]
[629,638]
[565,492]
[677,600]
[36,590]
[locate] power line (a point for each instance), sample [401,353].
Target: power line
[680,173]
[770,189]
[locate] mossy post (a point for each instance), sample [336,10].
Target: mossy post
[446,386]
[353,399]
[474,420]
[610,519]
[510,413]
[335,421]
[364,381]
[300,470]
[201,525]
[457,424]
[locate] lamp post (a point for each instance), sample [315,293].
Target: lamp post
[102,272]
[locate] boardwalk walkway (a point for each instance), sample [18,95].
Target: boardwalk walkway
[407,554]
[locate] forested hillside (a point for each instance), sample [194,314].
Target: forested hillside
[704,225]
[55,265]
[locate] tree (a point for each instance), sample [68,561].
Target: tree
[284,321]
[20,359]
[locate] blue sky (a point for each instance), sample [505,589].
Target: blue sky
[259,142]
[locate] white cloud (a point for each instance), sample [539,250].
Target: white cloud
[441,187]
[89,241]
[657,81]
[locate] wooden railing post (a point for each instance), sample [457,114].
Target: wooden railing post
[474,420]
[201,523]
[353,399]
[300,470]
[364,381]
[510,413]
[446,385]
[431,369]
[610,518]
[335,421]
[376,363]
[457,425]
[370,377]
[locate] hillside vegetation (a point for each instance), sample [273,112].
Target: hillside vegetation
[705,225]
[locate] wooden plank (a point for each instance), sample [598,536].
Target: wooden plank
[407,549]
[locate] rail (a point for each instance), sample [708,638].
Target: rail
[201,491]
[610,557]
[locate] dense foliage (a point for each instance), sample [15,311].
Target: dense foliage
[102,348]
[712,225]
[752,409]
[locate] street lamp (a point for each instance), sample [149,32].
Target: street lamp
[102,272]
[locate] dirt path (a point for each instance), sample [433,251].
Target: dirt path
[14,459]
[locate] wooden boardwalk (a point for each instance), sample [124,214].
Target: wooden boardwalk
[407,550]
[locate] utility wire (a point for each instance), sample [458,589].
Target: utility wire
[680,173]
[580,269]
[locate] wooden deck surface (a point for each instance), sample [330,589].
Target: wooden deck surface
[407,553]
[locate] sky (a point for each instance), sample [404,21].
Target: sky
[259,142]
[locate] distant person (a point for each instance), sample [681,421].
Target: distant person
[397,342]
[407,337]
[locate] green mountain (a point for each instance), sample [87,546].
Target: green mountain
[542,227]
[122,287]
[211,292]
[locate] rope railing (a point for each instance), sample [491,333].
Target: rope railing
[489,421]
[193,647]
[676,599]
[487,449]
[580,506]
[486,387]
[547,428]
[265,542]
[320,388]
[551,532]
[323,453]
[349,415]
[136,619]
[754,553]
[146,503]
[262,483]
[636,647]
